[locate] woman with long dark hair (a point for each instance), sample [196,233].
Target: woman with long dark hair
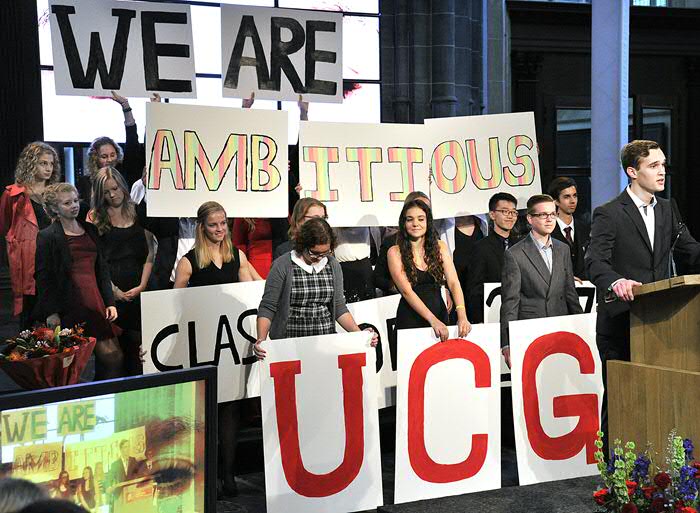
[72,277]
[21,217]
[420,264]
[128,249]
[86,490]
[214,260]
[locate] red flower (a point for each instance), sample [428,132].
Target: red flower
[662,480]
[44,333]
[601,496]
[648,490]
[687,509]
[630,507]
[657,505]
[631,487]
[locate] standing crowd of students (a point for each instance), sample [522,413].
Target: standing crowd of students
[87,257]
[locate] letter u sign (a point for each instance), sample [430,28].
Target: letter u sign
[299,478]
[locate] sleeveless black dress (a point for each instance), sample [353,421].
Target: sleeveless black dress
[428,291]
[212,275]
[126,250]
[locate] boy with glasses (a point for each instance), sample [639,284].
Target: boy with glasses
[537,279]
[487,259]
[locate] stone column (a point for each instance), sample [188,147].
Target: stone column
[609,97]
[443,101]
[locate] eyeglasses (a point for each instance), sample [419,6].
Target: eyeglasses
[507,213]
[315,217]
[318,256]
[545,215]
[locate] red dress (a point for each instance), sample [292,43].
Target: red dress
[256,244]
[86,305]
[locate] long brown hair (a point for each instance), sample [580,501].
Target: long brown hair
[301,208]
[431,245]
[201,248]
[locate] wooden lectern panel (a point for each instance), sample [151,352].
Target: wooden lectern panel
[645,402]
[665,323]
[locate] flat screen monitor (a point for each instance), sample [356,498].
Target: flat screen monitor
[133,445]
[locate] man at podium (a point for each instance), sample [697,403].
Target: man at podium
[632,240]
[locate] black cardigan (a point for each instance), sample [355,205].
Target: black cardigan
[53,270]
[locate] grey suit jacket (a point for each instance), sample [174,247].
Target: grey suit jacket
[530,291]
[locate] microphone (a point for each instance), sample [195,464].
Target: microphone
[671,264]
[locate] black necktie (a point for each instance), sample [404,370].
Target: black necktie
[567,235]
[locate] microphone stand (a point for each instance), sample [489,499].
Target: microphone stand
[671,263]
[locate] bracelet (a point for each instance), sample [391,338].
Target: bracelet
[458,307]
[128,109]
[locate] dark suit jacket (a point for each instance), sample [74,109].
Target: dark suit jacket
[117,474]
[582,236]
[620,248]
[530,291]
[53,270]
[485,267]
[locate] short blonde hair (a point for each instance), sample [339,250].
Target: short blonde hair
[51,197]
[29,159]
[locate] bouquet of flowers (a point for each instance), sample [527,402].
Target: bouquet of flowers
[630,486]
[46,357]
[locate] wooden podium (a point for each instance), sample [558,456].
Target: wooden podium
[659,389]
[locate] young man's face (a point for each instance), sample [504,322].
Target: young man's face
[504,215]
[651,175]
[543,218]
[568,200]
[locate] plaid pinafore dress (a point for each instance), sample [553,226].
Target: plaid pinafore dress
[310,304]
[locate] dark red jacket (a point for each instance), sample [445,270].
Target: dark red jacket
[19,226]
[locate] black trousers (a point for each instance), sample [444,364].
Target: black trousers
[610,348]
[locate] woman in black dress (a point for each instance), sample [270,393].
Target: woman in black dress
[128,249]
[86,490]
[215,261]
[72,278]
[420,264]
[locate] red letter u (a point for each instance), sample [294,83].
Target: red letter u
[421,462]
[301,480]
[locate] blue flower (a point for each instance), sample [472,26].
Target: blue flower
[687,485]
[688,447]
[640,471]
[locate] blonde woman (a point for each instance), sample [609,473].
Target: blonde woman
[128,250]
[22,216]
[72,278]
[215,261]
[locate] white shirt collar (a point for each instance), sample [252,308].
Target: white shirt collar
[637,200]
[316,267]
[563,225]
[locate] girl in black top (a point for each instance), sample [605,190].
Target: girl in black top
[215,261]
[420,264]
[128,249]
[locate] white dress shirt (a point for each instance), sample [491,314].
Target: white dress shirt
[646,210]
